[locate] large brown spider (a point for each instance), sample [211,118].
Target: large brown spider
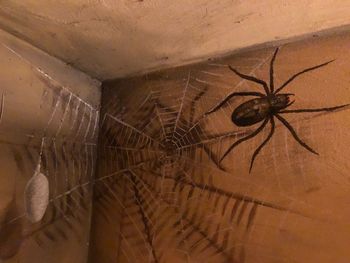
[269,105]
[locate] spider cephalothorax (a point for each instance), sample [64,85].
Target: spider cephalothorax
[268,105]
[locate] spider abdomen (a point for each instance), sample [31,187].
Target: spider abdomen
[256,110]
[251,112]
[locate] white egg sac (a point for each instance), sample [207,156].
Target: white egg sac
[36,197]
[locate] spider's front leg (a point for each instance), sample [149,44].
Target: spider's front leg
[291,129]
[285,84]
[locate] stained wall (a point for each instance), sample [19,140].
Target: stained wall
[162,194]
[49,115]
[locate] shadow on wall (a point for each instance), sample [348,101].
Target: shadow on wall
[162,194]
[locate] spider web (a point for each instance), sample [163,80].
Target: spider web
[160,186]
[160,194]
[61,139]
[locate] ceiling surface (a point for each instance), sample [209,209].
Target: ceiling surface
[110,39]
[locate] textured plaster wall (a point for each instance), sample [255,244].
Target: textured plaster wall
[110,39]
[48,115]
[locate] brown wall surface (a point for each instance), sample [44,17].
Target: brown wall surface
[48,115]
[161,194]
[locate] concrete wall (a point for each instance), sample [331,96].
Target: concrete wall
[110,39]
[162,196]
[48,115]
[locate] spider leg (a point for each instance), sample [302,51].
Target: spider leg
[255,154]
[248,137]
[295,136]
[314,110]
[253,79]
[290,103]
[213,157]
[234,94]
[272,85]
[300,73]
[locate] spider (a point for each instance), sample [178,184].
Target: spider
[266,107]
